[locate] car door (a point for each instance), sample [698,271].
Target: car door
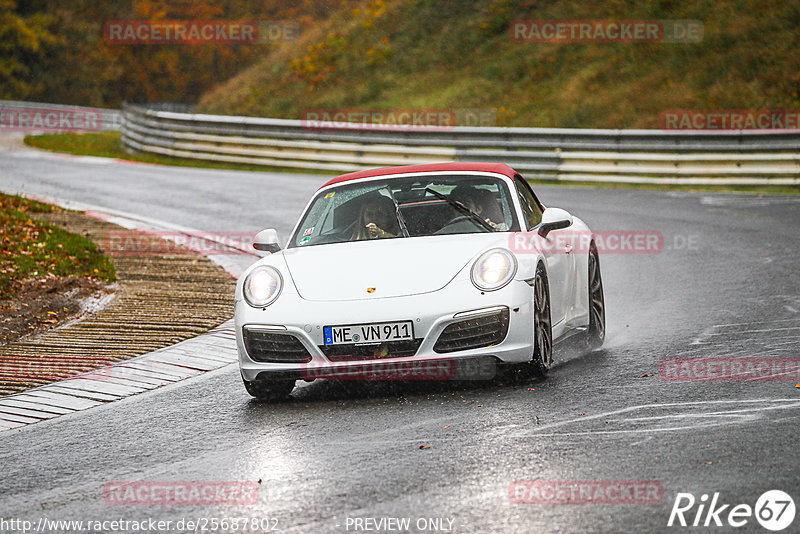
[557,253]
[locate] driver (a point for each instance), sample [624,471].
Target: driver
[375,219]
[476,200]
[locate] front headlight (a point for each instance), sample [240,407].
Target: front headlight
[262,286]
[494,269]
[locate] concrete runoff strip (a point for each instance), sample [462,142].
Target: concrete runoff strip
[171,372]
[36,414]
[52,398]
[7,418]
[88,390]
[103,396]
[22,403]
[134,376]
[137,374]
[8,425]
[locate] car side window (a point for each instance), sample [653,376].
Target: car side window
[530,207]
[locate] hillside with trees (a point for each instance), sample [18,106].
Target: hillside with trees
[411,55]
[55,50]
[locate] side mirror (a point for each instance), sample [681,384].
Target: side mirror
[267,240]
[554,219]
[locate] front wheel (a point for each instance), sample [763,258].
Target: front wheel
[596,333]
[269,390]
[542,324]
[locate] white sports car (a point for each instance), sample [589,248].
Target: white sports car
[407,272]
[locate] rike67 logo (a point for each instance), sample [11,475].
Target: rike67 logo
[774,510]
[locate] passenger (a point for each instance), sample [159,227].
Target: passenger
[376,219]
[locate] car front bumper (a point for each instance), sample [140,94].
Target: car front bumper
[430,313]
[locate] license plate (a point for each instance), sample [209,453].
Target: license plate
[368,333]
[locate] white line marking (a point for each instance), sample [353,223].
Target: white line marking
[749,414]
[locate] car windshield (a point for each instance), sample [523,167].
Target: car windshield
[407,207]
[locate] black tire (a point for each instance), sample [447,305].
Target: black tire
[269,390]
[542,324]
[596,333]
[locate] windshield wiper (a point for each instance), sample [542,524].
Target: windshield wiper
[400,219]
[461,208]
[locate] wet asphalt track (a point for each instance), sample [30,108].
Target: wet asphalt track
[336,452]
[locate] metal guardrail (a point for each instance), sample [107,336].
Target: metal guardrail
[629,156]
[111,119]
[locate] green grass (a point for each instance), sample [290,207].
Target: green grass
[109,145]
[102,144]
[33,249]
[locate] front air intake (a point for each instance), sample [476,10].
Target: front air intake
[391,349]
[475,332]
[274,347]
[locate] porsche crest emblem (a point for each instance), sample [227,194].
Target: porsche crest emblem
[370,290]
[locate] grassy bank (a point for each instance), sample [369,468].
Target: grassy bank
[429,54]
[34,251]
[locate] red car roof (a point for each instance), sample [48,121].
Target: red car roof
[499,168]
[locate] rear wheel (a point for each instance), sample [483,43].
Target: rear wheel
[269,390]
[597,306]
[542,325]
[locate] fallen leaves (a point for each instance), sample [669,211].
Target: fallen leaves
[643,375]
[31,248]
[424,446]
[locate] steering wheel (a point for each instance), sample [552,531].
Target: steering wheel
[461,224]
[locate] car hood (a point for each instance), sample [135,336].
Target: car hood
[383,268]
